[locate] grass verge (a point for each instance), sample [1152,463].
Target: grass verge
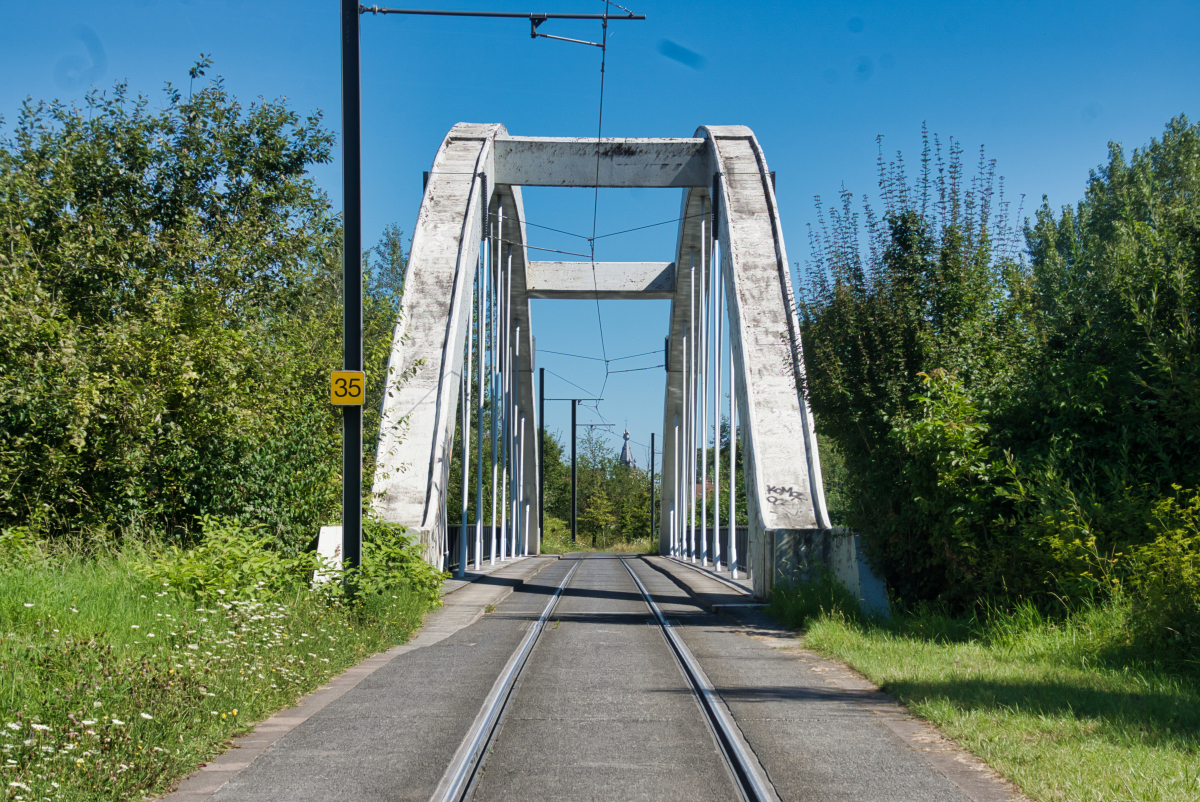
[1064,708]
[114,686]
[557,540]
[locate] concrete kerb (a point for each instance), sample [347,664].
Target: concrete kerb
[739,585]
[710,591]
[468,600]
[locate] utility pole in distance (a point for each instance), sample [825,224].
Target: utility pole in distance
[574,476]
[652,486]
[574,473]
[541,455]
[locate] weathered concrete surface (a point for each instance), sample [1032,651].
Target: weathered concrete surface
[464,603]
[821,731]
[782,465]
[849,564]
[603,711]
[783,480]
[426,363]
[510,239]
[604,280]
[425,368]
[572,162]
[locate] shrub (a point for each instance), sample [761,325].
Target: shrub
[1165,579]
[231,559]
[797,605]
[391,559]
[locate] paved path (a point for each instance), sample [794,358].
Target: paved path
[602,710]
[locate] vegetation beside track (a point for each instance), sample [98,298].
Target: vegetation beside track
[169,312]
[1016,406]
[1068,707]
[115,682]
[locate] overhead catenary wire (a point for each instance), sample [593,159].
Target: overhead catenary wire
[550,250]
[635,370]
[596,194]
[557,230]
[614,233]
[600,359]
[651,225]
[634,356]
[563,353]
[573,384]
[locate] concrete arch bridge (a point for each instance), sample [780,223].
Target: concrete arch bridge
[470,275]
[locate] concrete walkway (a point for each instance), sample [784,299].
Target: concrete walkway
[602,711]
[374,683]
[821,730]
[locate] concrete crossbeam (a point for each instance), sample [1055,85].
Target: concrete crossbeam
[604,280]
[571,162]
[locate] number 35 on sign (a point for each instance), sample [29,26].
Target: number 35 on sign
[346,388]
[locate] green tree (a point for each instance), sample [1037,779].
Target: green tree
[1009,430]
[169,302]
[940,289]
[1108,433]
[596,518]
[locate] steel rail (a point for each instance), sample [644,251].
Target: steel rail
[751,778]
[459,776]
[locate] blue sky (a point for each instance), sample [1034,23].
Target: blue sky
[1043,85]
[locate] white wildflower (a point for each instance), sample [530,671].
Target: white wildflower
[147,716]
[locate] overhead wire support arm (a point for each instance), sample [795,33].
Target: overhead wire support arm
[535,18]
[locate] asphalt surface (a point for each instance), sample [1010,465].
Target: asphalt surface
[602,709]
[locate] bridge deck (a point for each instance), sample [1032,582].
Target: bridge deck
[602,710]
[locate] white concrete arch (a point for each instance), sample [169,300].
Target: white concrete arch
[785,492]
[426,364]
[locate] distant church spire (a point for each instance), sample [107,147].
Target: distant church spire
[626,457]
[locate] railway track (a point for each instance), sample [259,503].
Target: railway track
[748,777]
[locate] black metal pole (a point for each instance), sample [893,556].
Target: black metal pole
[351,282]
[652,486]
[574,476]
[541,455]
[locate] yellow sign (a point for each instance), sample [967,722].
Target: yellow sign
[347,388]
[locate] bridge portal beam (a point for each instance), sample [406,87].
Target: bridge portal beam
[603,280]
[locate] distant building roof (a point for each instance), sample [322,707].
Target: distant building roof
[626,457]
